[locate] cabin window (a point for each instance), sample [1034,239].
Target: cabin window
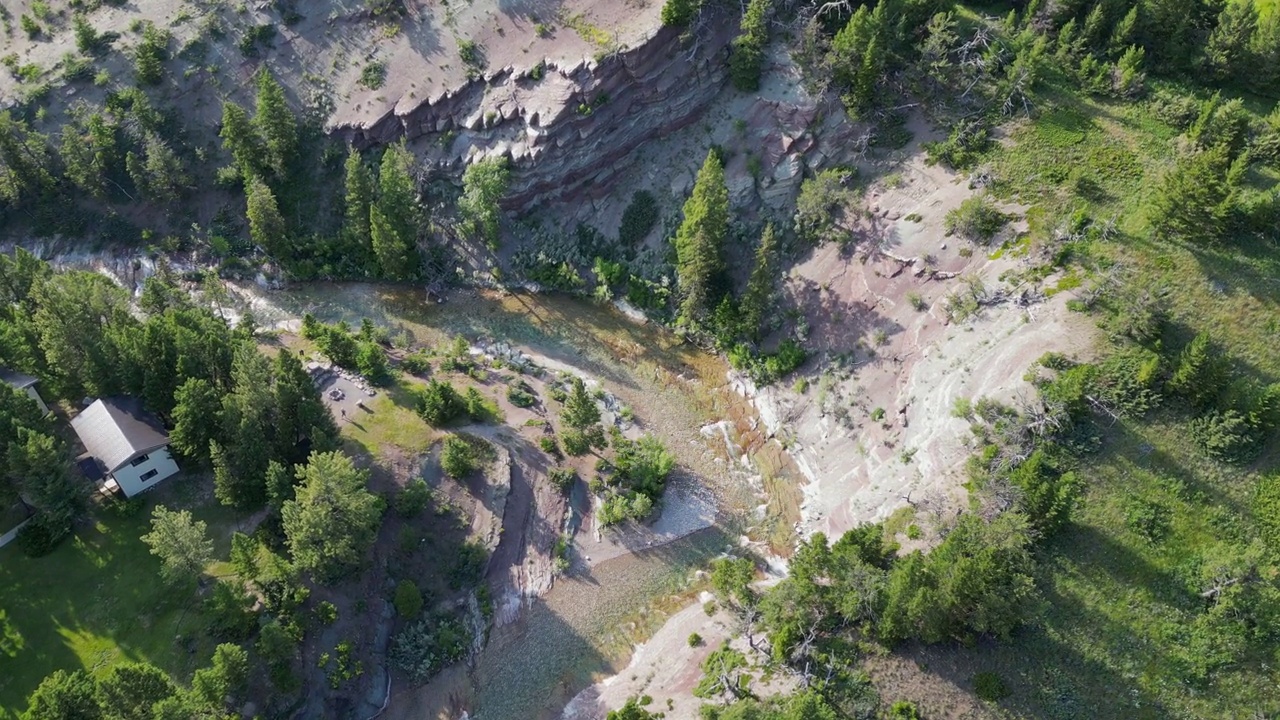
[139,460]
[148,475]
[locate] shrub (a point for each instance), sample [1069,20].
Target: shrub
[1148,518]
[989,687]
[822,205]
[962,148]
[904,710]
[374,74]
[461,456]
[549,446]
[976,220]
[230,612]
[638,219]
[576,443]
[418,363]
[39,537]
[521,395]
[413,499]
[326,612]
[678,12]
[408,599]
[563,478]
[30,27]
[423,648]
[472,56]
[439,403]
[468,565]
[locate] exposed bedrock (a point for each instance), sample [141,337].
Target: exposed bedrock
[569,129]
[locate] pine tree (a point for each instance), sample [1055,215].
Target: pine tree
[700,238]
[359,199]
[1095,26]
[195,418]
[275,122]
[299,409]
[241,140]
[24,160]
[333,520]
[760,286]
[266,225]
[162,174]
[857,57]
[747,51]
[394,217]
[483,185]
[1196,197]
[1227,52]
[580,411]
[1123,34]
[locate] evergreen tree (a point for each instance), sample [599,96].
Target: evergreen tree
[241,139]
[226,677]
[129,691]
[746,55]
[1227,54]
[195,419]
[275,123]
[44,470]
[64,696]
[81,318]
[24,161]
[181,542]
[858,57]
[1200,374]
[758,298]
[248,425]
[580,411]
[160,173]
[1196,198]
[394,217]
[483,185]
[359,199]
[700,239]
[266,225]
[150,54]
[1122,36]
[334,519]
[299,409]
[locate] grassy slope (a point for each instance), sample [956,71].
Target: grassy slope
[1118,606]
[97,600]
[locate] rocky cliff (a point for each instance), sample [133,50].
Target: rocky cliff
[569,128]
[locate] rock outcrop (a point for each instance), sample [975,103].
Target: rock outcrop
[569,129]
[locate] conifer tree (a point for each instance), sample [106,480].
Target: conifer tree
[393,219]
[700,238]
[359,199]
[333,519]
[1227,52]
[195,418]
[24,160]
[266,225]
[241,140]
[760,286]
[275,122]
[580,411]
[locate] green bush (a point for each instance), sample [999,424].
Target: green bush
[408,599]
[229,609]
[418,363]
[904,710]
[823,204]
[549,445]
[468,565]
[521,395]
[459,457]
[1228,435]
[576,443]
[374,74]
[976,220]
[638,219]
[1148,518]
[695,640]
[563,478]
[326,612]
[962,148]
[425,647]
[39,537]
[989,687]
[413,499]
[439,403]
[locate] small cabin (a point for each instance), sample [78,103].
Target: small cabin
[126,447]
[25,383]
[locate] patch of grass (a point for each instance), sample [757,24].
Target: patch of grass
[391,423]
[96,601]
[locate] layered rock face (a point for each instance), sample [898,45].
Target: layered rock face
[569,129]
